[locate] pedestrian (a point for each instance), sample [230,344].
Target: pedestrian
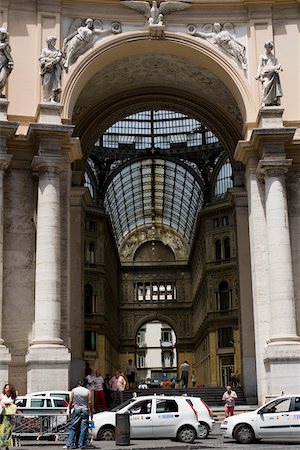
[194,379]
[185,374]
[8,410]
[107,391]
[91,386]
[99,396]
[117,386]
[81,403]
[131,372]
[229,398]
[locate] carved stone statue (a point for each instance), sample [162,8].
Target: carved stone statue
[51,71]
[225,38]
[268,74]
[82,39]
[6,61]
[155,12]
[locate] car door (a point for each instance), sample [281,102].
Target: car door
[273,420]
[295,418]
[141,419]
[166,418]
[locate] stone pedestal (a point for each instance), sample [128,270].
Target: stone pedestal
[49,113]
[48,367]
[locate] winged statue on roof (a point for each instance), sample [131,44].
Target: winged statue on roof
[155,10]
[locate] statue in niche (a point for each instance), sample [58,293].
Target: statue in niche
[268,75]
[225,38]
[79,41]
[6,61]
[51,71]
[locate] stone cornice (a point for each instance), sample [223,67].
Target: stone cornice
[262,140]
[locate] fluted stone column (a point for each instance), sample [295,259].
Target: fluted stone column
[7,130]
[47,277]
[47,358]
[281,284]
[277,344]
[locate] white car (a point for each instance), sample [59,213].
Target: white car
[279,418]
[41,405]
[152,416]
[204,414]
[58,394]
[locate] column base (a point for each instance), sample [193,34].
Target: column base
[5,359]
[282,361]
[47,367]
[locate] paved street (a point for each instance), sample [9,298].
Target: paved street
[214,441]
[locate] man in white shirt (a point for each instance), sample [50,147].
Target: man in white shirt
[99,396]
[229,398]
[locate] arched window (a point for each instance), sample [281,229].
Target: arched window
[224,296]
[226,243]
[218,250]
[224,180]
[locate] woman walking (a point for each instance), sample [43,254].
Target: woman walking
[8,410]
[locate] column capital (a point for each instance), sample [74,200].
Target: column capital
[49,136]
[5,160]
[51,164]
[273,167]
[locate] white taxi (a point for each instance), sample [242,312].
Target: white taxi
[152,416]
[277,419]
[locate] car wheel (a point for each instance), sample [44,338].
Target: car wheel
[106,434]
[203,431]
[243,434]
[186,434]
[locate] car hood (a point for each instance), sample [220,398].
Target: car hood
[240,417]
[104,415]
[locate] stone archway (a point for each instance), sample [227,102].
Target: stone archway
[204,86]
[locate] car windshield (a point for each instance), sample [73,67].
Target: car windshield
[122,405]
[277,406]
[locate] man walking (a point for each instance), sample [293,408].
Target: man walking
[81,402]
[229,398]
[185,374]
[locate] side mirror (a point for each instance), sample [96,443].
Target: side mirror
[261,412]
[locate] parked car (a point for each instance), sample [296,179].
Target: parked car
[152,416]
[46,404]
[279,418]
[204,414]
[58,394]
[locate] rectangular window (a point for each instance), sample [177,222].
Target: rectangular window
[225,221]
[90,340]
[225,337]
[216,222]
[140,361]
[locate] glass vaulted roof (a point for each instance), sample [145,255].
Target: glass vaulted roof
[156,167]
[153,191]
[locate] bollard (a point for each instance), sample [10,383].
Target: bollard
[122,433]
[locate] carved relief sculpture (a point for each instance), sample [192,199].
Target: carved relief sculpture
[83,38]
[268,75]
[155,11]
[6,61]
[225,38]
[51,71]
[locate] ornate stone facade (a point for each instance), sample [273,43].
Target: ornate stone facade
[74,286]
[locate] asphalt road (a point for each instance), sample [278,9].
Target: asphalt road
[214,441]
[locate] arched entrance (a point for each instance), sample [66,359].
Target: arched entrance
[161,78]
